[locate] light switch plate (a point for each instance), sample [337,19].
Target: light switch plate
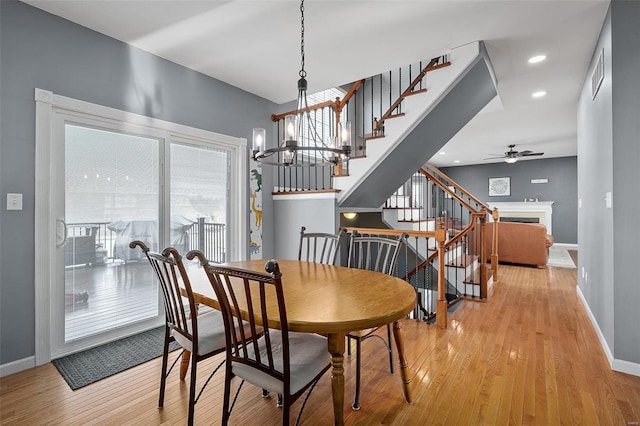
[14,201]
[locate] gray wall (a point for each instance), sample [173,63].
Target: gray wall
[626,154]
[40,50]
[595,178]
[608,152]
[561,187]
[291,212]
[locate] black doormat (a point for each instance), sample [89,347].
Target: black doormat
[86,367]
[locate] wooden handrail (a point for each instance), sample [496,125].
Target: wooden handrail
[336,105]
[352,91]
[451,182]
[466,230]
[430,67]
[276,118]
[447,190]
[392,232]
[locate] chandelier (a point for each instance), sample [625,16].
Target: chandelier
[302,144]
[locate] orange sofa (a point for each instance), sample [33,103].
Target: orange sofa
[520,243]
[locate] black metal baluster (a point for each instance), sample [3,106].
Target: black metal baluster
[390,90]
[399,108]
[380,89]
[364,83]
[371,119]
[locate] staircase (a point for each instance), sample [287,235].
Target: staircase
[396,140]
[462,217]
[428,120]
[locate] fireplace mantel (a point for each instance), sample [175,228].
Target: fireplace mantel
[540,209]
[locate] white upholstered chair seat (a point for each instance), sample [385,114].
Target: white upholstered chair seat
[308,356]
[210,333]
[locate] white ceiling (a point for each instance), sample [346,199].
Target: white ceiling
[255,45]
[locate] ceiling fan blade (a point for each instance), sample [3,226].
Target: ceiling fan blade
[494,158]
[524,153]
[530,154]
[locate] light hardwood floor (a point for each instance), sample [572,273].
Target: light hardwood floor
[528,356]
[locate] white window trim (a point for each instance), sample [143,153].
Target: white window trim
[47,105]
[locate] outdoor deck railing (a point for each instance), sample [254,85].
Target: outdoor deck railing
[94,242]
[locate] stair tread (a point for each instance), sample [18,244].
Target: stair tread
[476,276]
[404,208]
[414,92]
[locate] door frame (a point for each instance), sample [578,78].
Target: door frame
[48,105]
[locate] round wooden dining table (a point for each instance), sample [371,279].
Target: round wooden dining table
[332,300]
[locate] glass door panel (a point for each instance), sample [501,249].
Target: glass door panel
[200,199]
[112,196]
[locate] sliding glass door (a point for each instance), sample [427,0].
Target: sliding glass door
[112,182]
[111,197]
[200,198]
[104,178]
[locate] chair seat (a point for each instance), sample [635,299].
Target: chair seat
[211,336]
[308,357]
[210,333]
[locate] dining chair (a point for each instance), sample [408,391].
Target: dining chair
[281,361]
[319,247]
[202,335]
[374,253]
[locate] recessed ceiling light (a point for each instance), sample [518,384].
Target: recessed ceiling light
[536,59]
[442,153]
[456,161]
[538,94]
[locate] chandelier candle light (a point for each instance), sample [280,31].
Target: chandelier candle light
[303,147]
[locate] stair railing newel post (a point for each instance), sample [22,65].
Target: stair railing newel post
[442,304]
[483,257]
[495,214]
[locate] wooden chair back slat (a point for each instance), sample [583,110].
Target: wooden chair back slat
[172,275]
[252,297]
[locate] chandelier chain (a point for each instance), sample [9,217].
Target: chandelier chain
[302,72]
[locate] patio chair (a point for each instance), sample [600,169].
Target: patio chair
[281,361]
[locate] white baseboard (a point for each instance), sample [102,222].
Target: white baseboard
[603,341]
[566,245]
[619,365]
[17,366]
[626,367]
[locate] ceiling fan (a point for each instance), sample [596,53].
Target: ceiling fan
[512,156]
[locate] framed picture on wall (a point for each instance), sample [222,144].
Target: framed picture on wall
[499,187]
